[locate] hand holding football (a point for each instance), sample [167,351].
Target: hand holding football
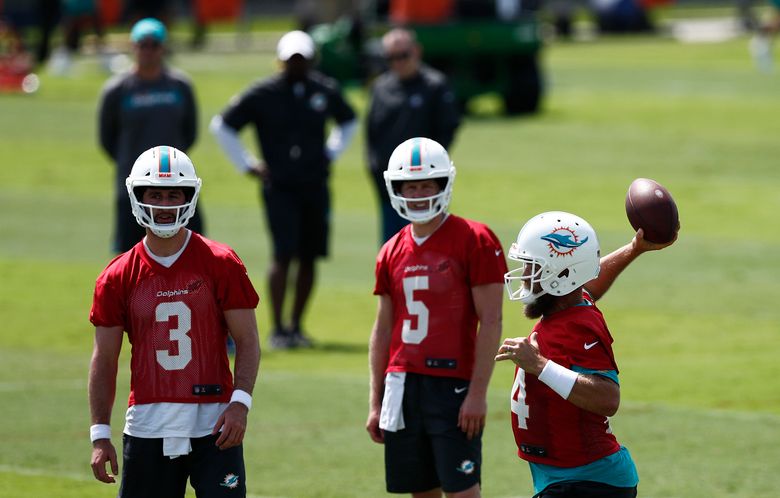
[650,206]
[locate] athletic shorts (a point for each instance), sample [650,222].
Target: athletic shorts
[585,489]
[214,473]
[299,219]
[432,451]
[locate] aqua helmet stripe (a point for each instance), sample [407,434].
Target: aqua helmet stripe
[165,161]
[415,163]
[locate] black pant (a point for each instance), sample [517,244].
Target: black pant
[213,473]
[585,489]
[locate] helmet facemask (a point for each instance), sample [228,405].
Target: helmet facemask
[437,203]
[183,212]
[525,283]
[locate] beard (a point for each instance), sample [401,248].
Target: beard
[540,307]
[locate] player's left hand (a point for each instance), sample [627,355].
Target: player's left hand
[232,424]
[471,417]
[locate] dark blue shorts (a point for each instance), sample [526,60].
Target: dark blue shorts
[432,451]
[585,489]
[298,218]
[214,473]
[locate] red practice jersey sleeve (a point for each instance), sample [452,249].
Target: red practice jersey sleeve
[434,319]
[174,319]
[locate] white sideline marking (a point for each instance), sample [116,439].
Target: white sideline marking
[29,471]
[25,385]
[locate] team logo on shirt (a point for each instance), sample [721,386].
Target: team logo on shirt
[563,241]
[194,286]
[172,293]
[318,102]
[230,481]
[467,467]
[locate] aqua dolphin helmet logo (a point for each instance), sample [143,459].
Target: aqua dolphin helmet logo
[563,241]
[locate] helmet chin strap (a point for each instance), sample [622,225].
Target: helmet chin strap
[531,298]
[165,234]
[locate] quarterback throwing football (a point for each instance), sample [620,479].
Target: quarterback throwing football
[566,377]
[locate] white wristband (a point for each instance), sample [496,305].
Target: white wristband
[559,378]
[99,431]
[242,397]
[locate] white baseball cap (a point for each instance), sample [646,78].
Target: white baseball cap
[295,42]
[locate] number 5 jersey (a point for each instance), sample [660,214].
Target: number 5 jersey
[434,319]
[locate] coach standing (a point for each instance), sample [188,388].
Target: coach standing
[410,100]
[289,111]
[149,105]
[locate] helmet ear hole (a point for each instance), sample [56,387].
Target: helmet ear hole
[564,273]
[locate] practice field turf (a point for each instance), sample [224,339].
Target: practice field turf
[696,326]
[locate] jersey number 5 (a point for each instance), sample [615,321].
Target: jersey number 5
[416,308]
[163,313]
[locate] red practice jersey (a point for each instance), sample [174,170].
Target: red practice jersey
[174,319]
[434,319]
[549,429]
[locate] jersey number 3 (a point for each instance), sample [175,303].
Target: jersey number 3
[416,308]
[163,313]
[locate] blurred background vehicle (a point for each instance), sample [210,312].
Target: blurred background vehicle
[482,46]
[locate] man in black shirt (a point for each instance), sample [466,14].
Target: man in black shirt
[289,112]
[410,100]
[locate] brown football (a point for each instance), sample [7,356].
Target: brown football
[650,206]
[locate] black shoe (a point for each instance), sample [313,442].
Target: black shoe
[281,340]
[301,340]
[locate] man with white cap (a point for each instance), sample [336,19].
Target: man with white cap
[289,111]
[149,105]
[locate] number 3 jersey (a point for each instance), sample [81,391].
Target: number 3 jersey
[549,429]
[174,319]
[434,319]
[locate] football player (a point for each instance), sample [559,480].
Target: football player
[439,284]
[566,377]
[177,295]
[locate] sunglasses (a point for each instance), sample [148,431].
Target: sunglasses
[400,56]
[152,45]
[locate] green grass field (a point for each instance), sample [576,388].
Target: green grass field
[696,326]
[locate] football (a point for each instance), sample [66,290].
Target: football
[650,206]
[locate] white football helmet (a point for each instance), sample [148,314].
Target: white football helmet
[559,251]
[163,166]
[420,159]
